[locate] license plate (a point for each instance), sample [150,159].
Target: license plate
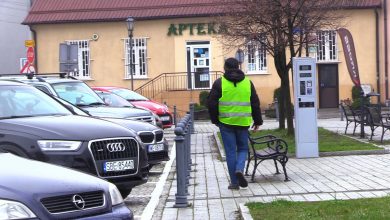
[156,147]
[164,118]
[119,165]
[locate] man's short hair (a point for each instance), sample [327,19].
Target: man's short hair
[231,64]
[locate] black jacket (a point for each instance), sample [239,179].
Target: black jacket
[216,93]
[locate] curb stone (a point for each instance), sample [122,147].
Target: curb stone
[220,147]
[244,212]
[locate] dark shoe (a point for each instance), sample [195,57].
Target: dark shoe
[241,179]
[233,186]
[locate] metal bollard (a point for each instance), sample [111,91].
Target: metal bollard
[192,110]
[174,115]
[341,112]
[181,169]
[188,142]
[183,125]
[190,124]
[185,129]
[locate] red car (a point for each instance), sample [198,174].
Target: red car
[140,101]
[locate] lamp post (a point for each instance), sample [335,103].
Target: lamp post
[130,28]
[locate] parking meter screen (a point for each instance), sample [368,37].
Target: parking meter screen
[302,88]
[304,74]
[304,67]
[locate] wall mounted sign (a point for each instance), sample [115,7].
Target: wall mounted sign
[193,29]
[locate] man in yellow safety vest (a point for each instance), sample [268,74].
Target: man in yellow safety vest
[233,104]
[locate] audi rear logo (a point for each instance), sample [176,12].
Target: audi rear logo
[115,147]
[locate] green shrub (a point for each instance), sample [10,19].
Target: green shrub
[198,107]
[357,99]
[203,98]
[277,94]
[356,92]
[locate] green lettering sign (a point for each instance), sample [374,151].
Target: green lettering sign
[182,27]
[210,28]
[172,30]
[191,29]
[201,29]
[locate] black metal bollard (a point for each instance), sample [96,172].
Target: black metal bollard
[188,139]
[181,169]
[192,110]
[190,131]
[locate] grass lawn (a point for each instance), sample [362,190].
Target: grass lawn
[328,141]
[375,208]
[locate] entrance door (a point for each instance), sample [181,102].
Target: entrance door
[198,65]
[328,80]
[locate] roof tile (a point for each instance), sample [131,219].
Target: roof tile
[71,11]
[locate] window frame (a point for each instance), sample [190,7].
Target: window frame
[84,59]
[327,46]
[140,58]
[259,57]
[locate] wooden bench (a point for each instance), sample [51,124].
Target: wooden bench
[376,120]
[272,148]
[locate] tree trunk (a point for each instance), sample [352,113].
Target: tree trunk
[289,112]
[282,109]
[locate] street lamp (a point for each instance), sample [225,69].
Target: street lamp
[130,28]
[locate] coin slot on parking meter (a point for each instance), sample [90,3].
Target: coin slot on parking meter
[305,108]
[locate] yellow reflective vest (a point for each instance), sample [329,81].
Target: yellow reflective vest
[235,105]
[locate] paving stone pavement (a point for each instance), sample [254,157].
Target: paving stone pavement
[313,179]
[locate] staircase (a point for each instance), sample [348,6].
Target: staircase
[176,89]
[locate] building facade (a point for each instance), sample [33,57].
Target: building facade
[177,52]
[13,35]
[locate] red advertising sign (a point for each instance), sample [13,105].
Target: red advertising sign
[350,55]
[30,55]
[29,65]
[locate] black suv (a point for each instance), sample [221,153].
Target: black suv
[34,125]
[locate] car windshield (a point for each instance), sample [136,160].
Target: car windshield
[77,93]
[129,95]
[25,101]
[114,100]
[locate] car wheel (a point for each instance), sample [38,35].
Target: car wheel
[13,150]
[125,192]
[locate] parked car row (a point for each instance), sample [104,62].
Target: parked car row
[68,124]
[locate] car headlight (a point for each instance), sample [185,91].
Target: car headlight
[59,145]
[116,197]
[14,210]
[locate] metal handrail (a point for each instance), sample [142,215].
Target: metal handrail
[174,81]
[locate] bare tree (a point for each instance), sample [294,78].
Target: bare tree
[284,28]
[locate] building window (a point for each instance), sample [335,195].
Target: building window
[84,60]
[256,58]
[140,66]
[327,46]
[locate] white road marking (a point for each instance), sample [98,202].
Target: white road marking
[147,214]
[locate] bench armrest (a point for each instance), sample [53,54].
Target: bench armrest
[276,144]
[263,138]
